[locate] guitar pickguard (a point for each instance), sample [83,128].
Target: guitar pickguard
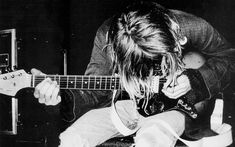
[157,104]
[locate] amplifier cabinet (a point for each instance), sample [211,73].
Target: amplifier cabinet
[8,62]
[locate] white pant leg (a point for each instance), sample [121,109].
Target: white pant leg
[91,129]
[152,134]
[95,127]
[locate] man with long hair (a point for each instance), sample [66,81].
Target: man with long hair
[143,43]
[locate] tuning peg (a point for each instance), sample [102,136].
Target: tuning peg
[15,68]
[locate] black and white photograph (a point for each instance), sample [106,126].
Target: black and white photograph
[117,73]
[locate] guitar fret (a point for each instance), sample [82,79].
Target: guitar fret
[117,83]
[57,79]
[101,83]
[95,83]
[108,85]
[63,82]
[82,83]
[53,78]
[67,83]
[91,82]
[33,82]
[98,82]
[88,82]
[105,83]
[79,83]
[112,83]
[75,82]
[85,82]
[71,82]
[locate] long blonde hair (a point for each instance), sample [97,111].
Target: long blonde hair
[140,35]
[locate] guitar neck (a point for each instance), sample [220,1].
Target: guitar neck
[81,82]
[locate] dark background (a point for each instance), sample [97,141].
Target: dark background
[48,28]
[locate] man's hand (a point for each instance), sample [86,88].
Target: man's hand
[175,89]
[47,92]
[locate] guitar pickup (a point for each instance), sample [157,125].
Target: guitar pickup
[155,84]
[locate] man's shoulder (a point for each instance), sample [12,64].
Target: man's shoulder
[104,27]
[181,13]
[182,16]
[189,22]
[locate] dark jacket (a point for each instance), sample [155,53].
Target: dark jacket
[202,38]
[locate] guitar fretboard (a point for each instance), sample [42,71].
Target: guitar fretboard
[81,82]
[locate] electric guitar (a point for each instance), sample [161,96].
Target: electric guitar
[11,83]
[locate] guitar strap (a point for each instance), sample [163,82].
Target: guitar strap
[223,139]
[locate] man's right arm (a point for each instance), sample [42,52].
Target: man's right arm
[100,64]
[47,91]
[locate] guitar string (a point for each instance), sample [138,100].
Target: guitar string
[79,81]
[82,78]
[94,82]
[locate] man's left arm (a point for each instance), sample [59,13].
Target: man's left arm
[216,73]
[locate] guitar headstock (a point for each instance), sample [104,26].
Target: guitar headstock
[12,82]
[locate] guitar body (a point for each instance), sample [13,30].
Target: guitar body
[159,102]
